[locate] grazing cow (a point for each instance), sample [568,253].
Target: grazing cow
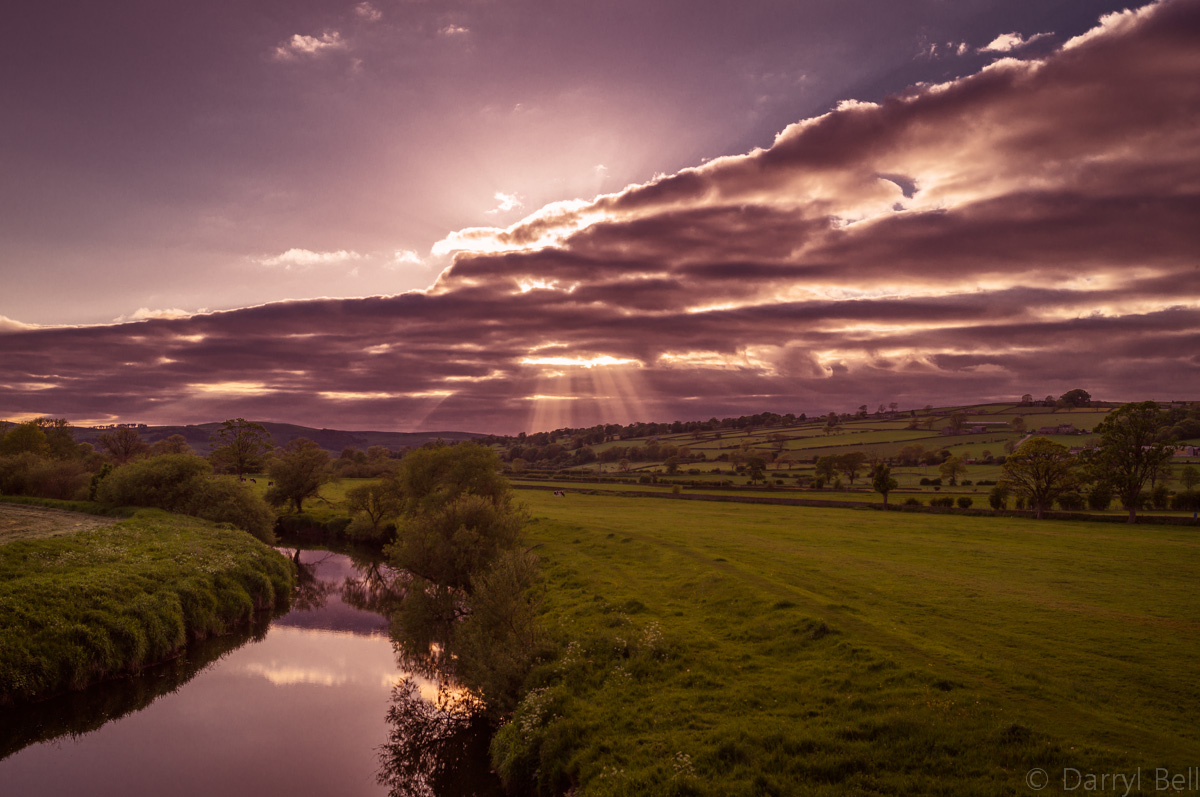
[254,480]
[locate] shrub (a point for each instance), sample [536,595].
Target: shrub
[924,481]
[1184,501]
[168,482]
[183,483]
[998,497]
[1071,502]
[912,502]
[1160,497]
[1099,497]
[224,500]
[945,501]
[30,474]
[964,502]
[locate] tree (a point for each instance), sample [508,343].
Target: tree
[851,464]
[756,466]
[951,469]
[123,444]
[883,482]
[998,497]
[372,505]
[1027,400]
[1040,470]
[175,444]
[299,470]
[1189,477]
[825,467]
[672,464]
[240,446]
[1130,453]
[1017,424]
[25,438]
[1076,398]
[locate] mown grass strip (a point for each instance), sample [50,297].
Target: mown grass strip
[79,608]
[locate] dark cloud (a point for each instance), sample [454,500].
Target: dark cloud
[1030,228]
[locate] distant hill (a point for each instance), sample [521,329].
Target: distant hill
[332,440]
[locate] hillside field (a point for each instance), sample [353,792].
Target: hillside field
[744,649]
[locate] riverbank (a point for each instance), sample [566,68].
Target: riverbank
[79,608]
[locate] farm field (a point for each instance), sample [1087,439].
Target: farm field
[745,649]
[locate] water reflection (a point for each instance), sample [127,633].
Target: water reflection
[314,704]
[300,709]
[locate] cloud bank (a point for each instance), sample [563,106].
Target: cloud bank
[1030,228]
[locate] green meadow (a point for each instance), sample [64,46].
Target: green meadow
[726,649]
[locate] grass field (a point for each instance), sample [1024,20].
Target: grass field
[742,649]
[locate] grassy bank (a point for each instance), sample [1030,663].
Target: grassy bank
[81,607]
[740,649]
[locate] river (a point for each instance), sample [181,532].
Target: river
[296,707]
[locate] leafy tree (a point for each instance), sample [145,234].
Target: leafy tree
[998,497]
[373,505]
[951,469]
[123,444]
[434,476]
[1189,477]
[825,467]
[1076,398]
[851,464]
[883,482]
[175,444]
[240,447]
[469,585]
[1018,424]
[25,438]
[1041,470]
[299,470]
[1099,497]
[756,467]
[1130,454]
[911,454]
[60,438]
[672,464]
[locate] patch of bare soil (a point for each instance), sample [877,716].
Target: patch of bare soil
[23,522]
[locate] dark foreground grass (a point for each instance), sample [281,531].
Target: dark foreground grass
[737,649]
[79,608]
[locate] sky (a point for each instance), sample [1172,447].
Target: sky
[514,216]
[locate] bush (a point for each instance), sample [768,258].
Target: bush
[1188,500]
[945,501]
[912,502]
[1160,497]
[31,474]
[168,482]
[998,497]
[183,483]
[223,499]
[964,502]
[1071,502]
[924,482]
[1099,497]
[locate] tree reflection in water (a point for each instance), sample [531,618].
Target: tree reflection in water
[436,747]
[312,592]
[439,746]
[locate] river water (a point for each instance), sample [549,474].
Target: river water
[298,707]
